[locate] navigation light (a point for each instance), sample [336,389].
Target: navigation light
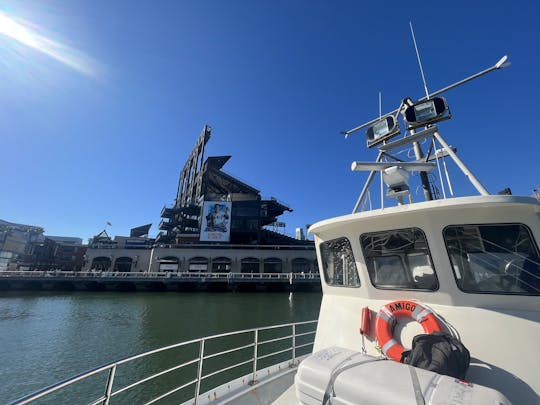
[503,62]
[382,130]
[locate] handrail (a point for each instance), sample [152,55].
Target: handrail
[209,356]
[226,369]
[151,377]
[206,246]
[147,275]
[112,367]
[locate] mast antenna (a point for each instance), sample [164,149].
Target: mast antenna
[380,105]
[419,61]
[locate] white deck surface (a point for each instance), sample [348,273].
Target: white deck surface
[287,398]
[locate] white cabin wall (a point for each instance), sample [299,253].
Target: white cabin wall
[501,331]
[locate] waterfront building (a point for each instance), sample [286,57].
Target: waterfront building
[64,253]
[15,242]
[25,247]
[217,223]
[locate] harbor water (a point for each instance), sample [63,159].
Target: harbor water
[47,337]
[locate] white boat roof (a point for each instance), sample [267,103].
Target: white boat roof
[422,207]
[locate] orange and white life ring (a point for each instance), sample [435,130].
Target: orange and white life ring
[387,318]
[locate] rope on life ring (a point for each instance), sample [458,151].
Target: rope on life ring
[387,318]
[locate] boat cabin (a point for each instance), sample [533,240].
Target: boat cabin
[467,266]
[472,261]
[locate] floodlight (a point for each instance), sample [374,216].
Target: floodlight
[427,112]
[382,130]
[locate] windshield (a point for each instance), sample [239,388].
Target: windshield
[500,259]
[399,259]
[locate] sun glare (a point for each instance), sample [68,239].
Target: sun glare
[60,52]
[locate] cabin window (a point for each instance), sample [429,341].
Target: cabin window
[494,258]
[399,259]
[339,267]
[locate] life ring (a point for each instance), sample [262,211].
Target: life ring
[386,321]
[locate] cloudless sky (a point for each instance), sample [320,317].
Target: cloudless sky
[99,128]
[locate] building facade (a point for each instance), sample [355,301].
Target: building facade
[62,253]
[217,224]
[16,242]
[203,258]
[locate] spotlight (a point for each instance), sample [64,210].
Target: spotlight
[427,112]
[382,130]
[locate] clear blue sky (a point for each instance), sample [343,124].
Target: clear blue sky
[96,124]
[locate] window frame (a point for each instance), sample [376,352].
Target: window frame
[324,268]
[459,283]
[406,268]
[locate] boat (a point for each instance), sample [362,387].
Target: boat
[468,267]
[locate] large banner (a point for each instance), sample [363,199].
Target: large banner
[216,221]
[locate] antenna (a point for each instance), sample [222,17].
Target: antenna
[419,61]
[380,105]
[502,63]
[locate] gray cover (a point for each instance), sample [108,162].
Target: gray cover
[352,378]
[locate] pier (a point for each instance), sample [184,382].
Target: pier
[157,281]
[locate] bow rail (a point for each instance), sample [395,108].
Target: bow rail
[282,346]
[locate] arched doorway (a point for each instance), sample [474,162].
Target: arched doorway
[249,265]
[123,264]
[273,265]
[101,263]
[221,265]
[169,263]
[198,264]
[300,265]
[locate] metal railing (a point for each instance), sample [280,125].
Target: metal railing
[296,341]
[210,246]
[164,275]
[221,246]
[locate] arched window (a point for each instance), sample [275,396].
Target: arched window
[198,264]
[169,263]
[250,265]
[101,263]
[221,265]
[273,265]
[123,264]
[300,265]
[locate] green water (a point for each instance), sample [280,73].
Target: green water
[47,337]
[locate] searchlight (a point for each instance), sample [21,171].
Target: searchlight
[384,129]
[427,112]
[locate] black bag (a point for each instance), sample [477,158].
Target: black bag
[438,352]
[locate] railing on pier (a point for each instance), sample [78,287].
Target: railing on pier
[159,275]
[220,246]
[210,246]
[270,351]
